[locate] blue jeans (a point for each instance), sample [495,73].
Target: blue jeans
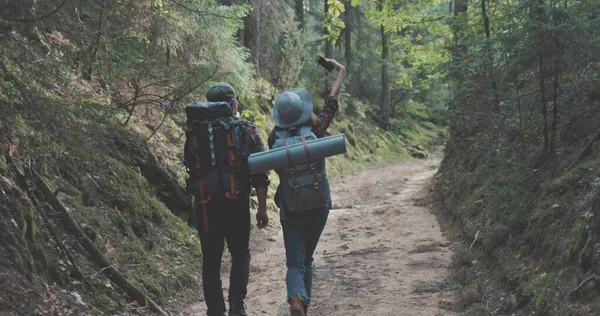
[301,233]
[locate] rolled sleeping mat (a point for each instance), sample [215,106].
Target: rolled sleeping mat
[278,158]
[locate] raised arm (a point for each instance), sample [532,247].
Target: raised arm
[337,85]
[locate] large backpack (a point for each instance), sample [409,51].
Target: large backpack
[214,153]
[302,186]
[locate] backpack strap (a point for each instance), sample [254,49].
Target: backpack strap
[204,199]
[306,129]
[292,170]
[233,193]
[211,138]
[311,164]
[281,133]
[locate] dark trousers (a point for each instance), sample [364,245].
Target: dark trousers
[228,220]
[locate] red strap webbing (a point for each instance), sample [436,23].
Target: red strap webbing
[232,194]
[204,199]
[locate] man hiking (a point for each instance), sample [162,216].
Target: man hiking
[216,155]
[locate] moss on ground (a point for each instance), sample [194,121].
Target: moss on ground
[83,151]
[532,224]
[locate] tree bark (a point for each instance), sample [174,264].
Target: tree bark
[458,49]
[348,33]
[299,8]
[556,85]
[385,78]
[543,99]
[538,14]
[328,44]
[490,56]
[87,75]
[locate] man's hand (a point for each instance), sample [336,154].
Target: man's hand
[262,218]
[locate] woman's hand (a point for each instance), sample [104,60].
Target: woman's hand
[337,85]
[336,64]
[262,218]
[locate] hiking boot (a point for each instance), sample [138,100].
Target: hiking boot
[296,307]
[237,308]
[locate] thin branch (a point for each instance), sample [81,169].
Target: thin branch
[103,269]
[36,18]
[429,20]
[200,12]
[16,310]
[474,240]
[159,126]
[158,98]
[582,284]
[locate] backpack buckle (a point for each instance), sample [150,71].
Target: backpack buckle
[296,188]
[292,171]
[317,186]
[312,166]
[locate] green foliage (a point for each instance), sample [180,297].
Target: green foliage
[333,22]
[540,291]
[521,114]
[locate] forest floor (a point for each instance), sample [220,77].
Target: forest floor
[382,252]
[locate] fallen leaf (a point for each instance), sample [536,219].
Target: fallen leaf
[12,150]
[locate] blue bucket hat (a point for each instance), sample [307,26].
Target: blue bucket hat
[292,108]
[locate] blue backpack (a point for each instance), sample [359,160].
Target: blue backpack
[302,186]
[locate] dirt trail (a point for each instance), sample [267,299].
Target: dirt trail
[380,254]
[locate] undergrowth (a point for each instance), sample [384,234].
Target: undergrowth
[104,172]
[529,227]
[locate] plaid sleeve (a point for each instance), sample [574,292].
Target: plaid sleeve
[255,144]
[271,139]
[326,116]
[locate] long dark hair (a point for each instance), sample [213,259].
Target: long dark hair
[313,121]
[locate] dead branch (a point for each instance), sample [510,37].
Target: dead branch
[93,251]
[581,285]
[474,240]
[159,126]
[586,150]
[23,183]
[201,13]
[36,18]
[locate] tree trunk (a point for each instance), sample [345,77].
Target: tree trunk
[553,140]
[385,80]
[490,56]
[87,74]
[299,8]
[460,7]
[348,34]
[458,49]
[328,44]
[543,100]
[538,14]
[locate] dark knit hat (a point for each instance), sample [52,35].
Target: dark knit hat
[222,91]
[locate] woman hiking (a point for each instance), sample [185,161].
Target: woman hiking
[303,195]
